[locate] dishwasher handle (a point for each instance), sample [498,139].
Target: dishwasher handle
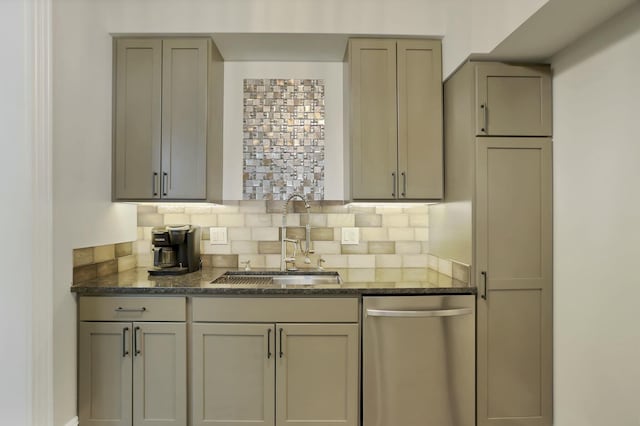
[419,314]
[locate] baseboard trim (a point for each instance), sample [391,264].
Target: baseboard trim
[72,422]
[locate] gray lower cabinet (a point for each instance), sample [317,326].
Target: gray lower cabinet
[167,142]
[105,374]
[132,374]
[275,372]
[308,373]
[317,370]
[233,374]
[132,361]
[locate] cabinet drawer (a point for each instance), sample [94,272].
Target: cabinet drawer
[132,309]
[239,309]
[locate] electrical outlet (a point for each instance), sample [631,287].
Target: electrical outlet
[350,235]
[218,235]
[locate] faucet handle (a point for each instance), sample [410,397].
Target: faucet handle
[247,265]
[320,262]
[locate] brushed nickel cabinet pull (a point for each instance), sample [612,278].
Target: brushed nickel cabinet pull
[404,184]
[485,123]
[125,352]
[419,314]
[484,281]
[155,179]
[136,349]
[269,343]
[121,309]
[281,352]
[393,188]
[165,183]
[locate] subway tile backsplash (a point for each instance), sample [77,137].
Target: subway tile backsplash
[101,261]
[389,236]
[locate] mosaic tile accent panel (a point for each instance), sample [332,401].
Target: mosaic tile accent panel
[283,139]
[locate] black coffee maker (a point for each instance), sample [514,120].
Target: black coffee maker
[176,249]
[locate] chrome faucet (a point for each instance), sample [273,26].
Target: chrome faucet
[307,233]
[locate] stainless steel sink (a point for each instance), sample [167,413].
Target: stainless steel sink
[278,278]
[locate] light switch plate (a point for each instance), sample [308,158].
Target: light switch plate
[218,235]
[350,235]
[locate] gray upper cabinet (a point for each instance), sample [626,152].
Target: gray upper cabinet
[513,100]
[137,114]
[184,119]
[167,120]
[374,128]
[419,119]
[394,92]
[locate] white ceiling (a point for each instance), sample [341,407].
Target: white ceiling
[282,47]
[555,26]
[552,28]
[288,47]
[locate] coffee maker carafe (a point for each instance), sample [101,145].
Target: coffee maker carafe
[176,249]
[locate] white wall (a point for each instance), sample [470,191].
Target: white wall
[15,214]
[234,75]
[597,227]
[494,20]
[478,26]
[82,55]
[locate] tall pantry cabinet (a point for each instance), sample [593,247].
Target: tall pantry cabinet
[497,217]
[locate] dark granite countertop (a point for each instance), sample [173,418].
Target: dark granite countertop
[383,281]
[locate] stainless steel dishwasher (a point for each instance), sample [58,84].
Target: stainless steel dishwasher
[419,361]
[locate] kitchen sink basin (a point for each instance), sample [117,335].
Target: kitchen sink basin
[278,278]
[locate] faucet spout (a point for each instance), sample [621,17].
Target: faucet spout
[283,249]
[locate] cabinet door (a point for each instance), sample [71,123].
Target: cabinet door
[373,124]
[184,118]
[137,126]
[160,374]
[420,119]
[317,375]
[513,249]
[513,100]
[104,374]
[233,374]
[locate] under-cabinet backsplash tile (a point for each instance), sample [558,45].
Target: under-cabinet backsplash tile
[382,247]
[390,236]
[100,261]
[83,256]
[104,253]
[124,249]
